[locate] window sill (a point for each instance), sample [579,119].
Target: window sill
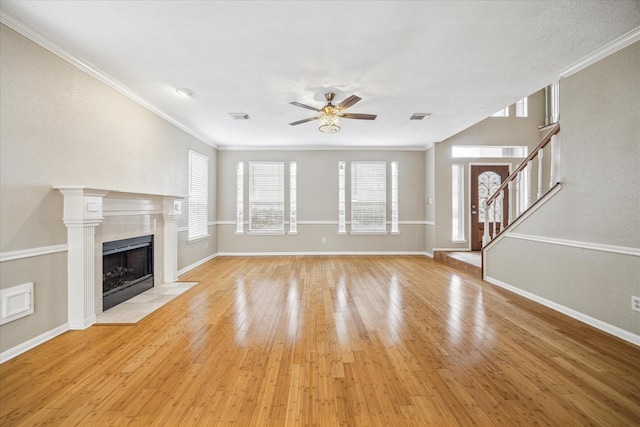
[239,233]
[265,233]
[292,233]
[458,241]
[368,232]
[198,238]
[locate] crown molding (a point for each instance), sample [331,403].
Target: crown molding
[617,44]
[80,63]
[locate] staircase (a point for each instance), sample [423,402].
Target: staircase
[468,262]
[517,183]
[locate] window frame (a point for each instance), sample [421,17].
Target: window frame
[367,193]
[197,217]
[255,198]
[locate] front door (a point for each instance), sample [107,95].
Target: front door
[485,180]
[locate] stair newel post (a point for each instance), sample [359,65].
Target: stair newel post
[540,156]
[486,238]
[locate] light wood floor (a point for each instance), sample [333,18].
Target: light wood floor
[324,341]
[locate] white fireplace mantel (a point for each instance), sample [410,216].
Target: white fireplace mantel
[84,210]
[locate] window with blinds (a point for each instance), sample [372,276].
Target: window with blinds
[240,198]
[266,197]
[342,206]
[293,197]
[198,195]
[368,196]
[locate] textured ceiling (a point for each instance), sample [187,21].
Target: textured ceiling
[460,61]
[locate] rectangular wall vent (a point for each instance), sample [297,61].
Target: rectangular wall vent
[419,116]
[16,302]
[239,116]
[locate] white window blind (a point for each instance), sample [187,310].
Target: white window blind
[240,198]
[368,196]
[266,197]
[394,197]
[198,195]
[293,198]
[342,208]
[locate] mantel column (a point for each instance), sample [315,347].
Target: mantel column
[82,214]
[171,213]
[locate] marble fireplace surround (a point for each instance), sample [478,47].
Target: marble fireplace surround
[96,215]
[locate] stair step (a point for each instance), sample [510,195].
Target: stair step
[469,262]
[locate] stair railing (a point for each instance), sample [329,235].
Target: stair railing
[517,180]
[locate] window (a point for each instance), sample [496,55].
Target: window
[552,103]
[457,203]
[198,195]
[502,113]
[368,196]
[293,210]
[342,208]
[488,184]
[240,198]
[394,197]
[521,108]
[266,197]
[498,151]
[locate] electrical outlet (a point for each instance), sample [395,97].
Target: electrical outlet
[324,240]
[635,303]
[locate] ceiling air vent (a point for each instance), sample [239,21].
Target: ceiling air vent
[419,116]
[239,116]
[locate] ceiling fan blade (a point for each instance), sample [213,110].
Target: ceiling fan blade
[297,104]
[359,116]
[299,122]
[348,102]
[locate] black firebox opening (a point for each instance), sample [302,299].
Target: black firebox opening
[127,269]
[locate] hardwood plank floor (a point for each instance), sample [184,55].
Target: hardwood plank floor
[330,341]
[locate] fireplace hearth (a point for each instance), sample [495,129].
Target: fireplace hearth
[127,269]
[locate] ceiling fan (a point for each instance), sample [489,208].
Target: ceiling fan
[330,115]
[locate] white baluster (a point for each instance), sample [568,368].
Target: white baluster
[518,195]
[528,178]
[540,156]
[486,238]
[510,209]
[552,157]
[495,202]
[501,210]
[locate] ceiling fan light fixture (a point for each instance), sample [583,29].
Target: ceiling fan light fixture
[329,123]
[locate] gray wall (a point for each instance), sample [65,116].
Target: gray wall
[317,197]
[491,131]
[599,203]
[61,126]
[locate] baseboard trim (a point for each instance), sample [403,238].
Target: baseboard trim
[591,321]
[33,342]
[196,264]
